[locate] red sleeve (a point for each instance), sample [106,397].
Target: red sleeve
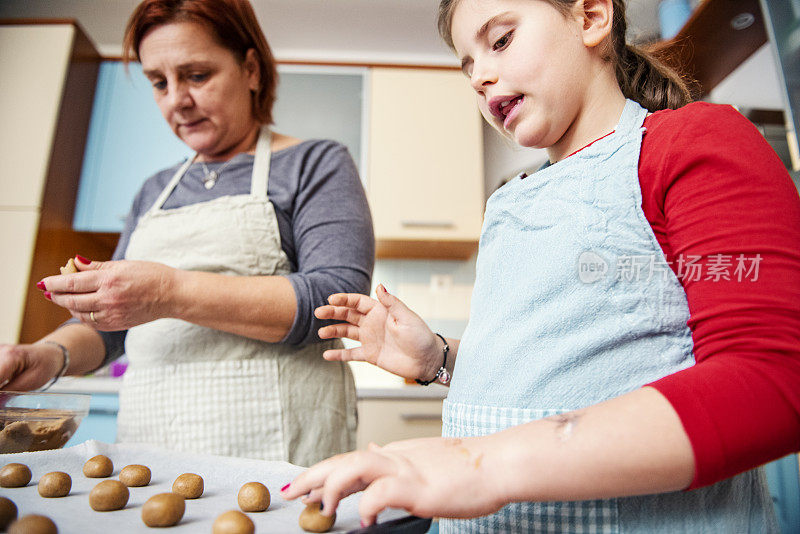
[713,188]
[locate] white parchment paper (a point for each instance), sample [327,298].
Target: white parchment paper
[223,476]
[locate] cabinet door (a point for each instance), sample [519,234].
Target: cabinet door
[33,66]
[425,157]
[382,421]
[17,238]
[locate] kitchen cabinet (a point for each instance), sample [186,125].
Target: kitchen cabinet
[383,420]
[45,114]
[425,163]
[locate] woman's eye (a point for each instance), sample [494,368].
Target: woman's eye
[503,41]
[160,85]
[198,77]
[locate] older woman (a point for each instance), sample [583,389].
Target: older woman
[223,258]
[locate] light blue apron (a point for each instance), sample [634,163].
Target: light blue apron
[575,304]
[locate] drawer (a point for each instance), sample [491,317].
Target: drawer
[385,420]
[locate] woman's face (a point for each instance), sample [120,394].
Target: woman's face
[526,61]
[202,90]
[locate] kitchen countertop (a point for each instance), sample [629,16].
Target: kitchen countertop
[365,388]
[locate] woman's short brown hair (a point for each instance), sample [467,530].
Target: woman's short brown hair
[233,24]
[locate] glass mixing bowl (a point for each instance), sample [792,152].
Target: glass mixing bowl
[38,421]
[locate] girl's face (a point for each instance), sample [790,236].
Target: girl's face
[202,90]
[528,64]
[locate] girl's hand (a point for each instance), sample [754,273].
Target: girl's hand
[392,336]
[27,367]
[113,295]
[442,477]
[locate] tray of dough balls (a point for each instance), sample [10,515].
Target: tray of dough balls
[101,487]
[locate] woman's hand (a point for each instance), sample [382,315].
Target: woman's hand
[27,367]
[392,336]
[113,295]
[442,477]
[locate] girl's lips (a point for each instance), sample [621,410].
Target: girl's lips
[512,110]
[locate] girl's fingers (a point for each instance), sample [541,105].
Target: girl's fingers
[361,469]
[340,330]
[313,477]
[339,313]
[345,355]
[384,493]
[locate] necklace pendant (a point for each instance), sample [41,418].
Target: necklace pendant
[210,180]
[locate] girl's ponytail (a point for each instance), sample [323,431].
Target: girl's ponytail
[640,75]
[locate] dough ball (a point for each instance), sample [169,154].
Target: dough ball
[109,495]
[188,485]
[33,524]
[233,522]
[14,475]
[55,484]
[69,268]
[98,467]
[163,510]
[311,520]
[135,475]
[8,512]
[254,497]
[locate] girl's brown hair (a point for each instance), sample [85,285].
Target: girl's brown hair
[233,24]
[640,75]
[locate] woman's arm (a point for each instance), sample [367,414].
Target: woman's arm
[631,445]
[31,366]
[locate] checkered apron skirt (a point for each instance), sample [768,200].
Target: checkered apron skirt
[202,390]
[596,517]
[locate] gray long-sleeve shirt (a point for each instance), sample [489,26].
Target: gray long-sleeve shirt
[323,219]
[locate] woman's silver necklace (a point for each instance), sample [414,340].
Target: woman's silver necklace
[210,177]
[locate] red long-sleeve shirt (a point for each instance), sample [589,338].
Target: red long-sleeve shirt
[713,188]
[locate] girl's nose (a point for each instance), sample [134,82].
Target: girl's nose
[482,76]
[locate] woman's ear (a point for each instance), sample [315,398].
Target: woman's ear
[253,70]
[597,16]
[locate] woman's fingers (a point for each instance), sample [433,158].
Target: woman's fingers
[361,303]
[72,283]
[80,303]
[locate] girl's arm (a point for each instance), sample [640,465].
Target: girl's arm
[632,445]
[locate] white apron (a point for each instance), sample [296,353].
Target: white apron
[192,388]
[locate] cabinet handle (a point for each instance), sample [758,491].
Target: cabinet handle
[103,411]
[427,224]
[421,417]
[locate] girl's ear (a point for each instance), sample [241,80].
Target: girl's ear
[597,16]
[253,71]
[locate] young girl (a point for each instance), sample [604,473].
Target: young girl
[634,329]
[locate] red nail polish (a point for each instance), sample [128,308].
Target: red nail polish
[286,486]
[48,295]
[82,259]
[40,285]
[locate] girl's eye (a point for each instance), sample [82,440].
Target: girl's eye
[503,41]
